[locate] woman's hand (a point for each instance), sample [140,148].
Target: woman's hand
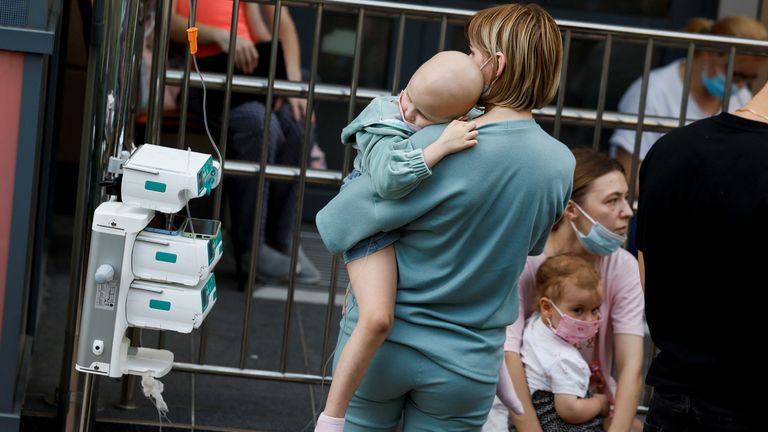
[246,56]
[298,107]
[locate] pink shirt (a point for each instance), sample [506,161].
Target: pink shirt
[216,13]
[622,308]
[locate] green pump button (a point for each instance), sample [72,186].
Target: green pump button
[160,305]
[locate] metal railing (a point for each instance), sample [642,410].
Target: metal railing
[599,118]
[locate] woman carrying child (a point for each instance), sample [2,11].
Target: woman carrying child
[464,235]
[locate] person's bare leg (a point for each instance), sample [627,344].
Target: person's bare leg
[374,282]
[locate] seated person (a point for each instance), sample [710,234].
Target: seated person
[245,130]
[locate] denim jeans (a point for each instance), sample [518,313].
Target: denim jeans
[286,137]
[372,244]
[683,412]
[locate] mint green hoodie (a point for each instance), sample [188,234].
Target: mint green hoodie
[465,234]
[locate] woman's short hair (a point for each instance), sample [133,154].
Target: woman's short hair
[530,40]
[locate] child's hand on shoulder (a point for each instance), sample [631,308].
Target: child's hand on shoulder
[458,136]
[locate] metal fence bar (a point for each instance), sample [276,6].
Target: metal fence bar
[585,28]
[640,115]
[249,373]
[217,196]
[256,238]
[157,83]
[686,83]
[344,172]
[398,54]
[563,84]
[729,79]
[353,86]
[302,187]
[443,32]
[603,91]
[331,92]
[185,84]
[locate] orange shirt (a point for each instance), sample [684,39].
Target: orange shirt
[216,13]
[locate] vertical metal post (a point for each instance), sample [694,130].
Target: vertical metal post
[110,80]
[344,171]
[443,32]
[222,146]
[686,83]
[603,91]
[128,386]
[185,85]
[640,119]
[157,76]
[302,185]
[255,240]
[227,102]
[729,78]
[86,408]
[353,85]
[563,84]
[398,54]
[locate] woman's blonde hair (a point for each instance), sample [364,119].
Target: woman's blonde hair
[735,26]
[530,40]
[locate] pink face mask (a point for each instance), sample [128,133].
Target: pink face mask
[572,330]
[412,126]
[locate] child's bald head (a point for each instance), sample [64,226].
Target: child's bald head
[446,86]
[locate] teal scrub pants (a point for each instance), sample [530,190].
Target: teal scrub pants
[402,382]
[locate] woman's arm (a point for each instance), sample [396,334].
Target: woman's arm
[628,352]
[289,40]
[256,25]
[246,56]
[528,420]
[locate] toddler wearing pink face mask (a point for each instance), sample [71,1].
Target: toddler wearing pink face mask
[569,296]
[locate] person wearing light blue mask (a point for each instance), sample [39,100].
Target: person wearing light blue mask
[600,240]
[715,85]
[593,226]
[708,71]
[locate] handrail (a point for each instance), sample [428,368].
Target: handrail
[749,46]
[334,92]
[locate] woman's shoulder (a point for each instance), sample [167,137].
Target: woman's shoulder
[621,257]
[620,270]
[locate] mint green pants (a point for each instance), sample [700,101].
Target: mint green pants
[402,382]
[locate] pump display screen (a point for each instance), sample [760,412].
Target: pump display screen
[202,228]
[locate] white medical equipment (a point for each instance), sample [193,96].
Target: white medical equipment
[147,269]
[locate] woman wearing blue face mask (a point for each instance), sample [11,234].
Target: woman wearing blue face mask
[665,85]
[594,227]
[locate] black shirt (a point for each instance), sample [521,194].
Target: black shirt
[702,229]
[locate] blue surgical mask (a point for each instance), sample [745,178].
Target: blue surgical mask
[486,87]
[600,240]
[716,85]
